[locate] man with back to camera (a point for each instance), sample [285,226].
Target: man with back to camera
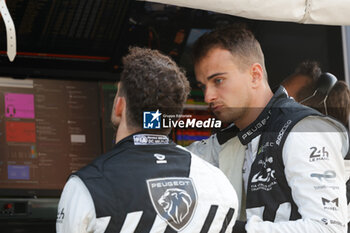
[302,84]
[147,183]
[293,169]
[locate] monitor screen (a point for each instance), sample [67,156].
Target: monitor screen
[48,129]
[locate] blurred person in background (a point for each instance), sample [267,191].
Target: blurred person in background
[321,91]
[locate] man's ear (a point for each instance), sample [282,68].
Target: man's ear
[257,74]
[119,106]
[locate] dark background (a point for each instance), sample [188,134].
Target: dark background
[72,39]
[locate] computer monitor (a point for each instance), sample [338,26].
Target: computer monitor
[48,129]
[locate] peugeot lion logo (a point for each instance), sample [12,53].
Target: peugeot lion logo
[174,199]
[176,203]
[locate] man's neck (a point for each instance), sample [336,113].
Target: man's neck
[255,110]
[123,132]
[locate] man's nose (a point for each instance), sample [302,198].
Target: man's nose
[209,95]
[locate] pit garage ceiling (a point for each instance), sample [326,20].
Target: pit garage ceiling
[329,12]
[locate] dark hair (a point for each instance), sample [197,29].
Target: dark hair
[234,38]
[337,102]
[309,69]
[151,81]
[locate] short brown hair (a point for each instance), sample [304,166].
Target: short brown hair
[151,81]
[338,102]
[235,38]
[311,71]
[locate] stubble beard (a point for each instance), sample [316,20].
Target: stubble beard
[229,115]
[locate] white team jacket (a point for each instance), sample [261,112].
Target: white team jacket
[76,210]
[318,189]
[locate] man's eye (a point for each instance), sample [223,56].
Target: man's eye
[218,80]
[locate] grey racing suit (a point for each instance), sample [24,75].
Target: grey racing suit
[313,167]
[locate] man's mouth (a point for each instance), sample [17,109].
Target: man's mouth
[216,108]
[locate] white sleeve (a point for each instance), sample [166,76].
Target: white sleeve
[314,168]
[76,210]
[207,149]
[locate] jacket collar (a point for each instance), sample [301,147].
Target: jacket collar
[143,138]
[258,126]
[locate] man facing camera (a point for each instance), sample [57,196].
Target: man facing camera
[293,167]
[146,183]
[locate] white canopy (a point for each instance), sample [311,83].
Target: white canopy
[330,12]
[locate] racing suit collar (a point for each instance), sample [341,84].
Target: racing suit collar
[258,126]
[144,138]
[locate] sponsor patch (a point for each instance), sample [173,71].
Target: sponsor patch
[282,131]
[330,204]
[160,158]
[174,200]
[334,187]
[150,139]
[332,222]
[318,154]
[328,175]
[264,179]
[248,133]
[326,178]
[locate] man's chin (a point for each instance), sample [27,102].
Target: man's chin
[224,118]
